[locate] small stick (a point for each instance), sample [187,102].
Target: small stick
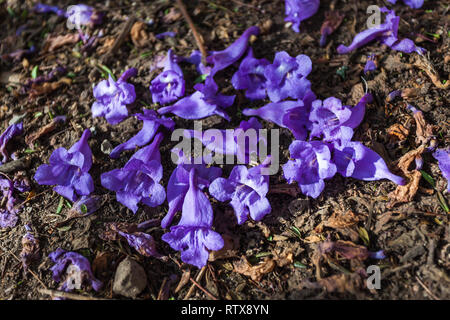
[192,288]
[29,270]
[197,36]
[426,289]
[68,295]
[120,38]
[15,165]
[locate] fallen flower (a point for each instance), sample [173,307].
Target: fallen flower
[333,20]
[193,235]
[250,76]
[370,64]
[142,242]
[19,54]
[151,123]
[222,59]
[53,43]
[75,268]
[299,10]
[10,132]
[83,15]
[44,8]
[169,85]
[415,4]
[443,158]
[349,250]
[69,170]
[112,97]
[138,181]
[166,34]
[30,249]
[286,77]
[386,33]
[204,102]
[196,59]
[310,166]
[247,190]
[8,214]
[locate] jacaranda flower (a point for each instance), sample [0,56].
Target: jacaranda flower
[250,76]
[415,4]
[310,166]
[30,249]
[204,102]
[222,59]
[370,64]
[44,8]
[74,270]
[169,85]
[82,15]
[68,170]
[142,242]
[10,132]
[286,77]
[333,20]
[8,214]
[112,97]
[247,190]
[165,35]
[196,59]
[386,33]
[151,123]
[178,184]
[299,10]
[193,235]
[443,158]
[355,160]
[138,181]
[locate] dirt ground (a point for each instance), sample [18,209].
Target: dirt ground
[414,235]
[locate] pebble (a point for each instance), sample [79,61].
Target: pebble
[106,147]
[130,279]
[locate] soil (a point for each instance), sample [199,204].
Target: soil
[414,235]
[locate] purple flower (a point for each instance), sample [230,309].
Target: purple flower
[193,235]
[151,125]
[204,102]
[44,8]
[299,10]
[142,242]
[178,184]
[81,14]
[250,76]
[234,143]
[286,77]
[10,132]
[386,33]
[443,158]
[8,214]
[415,4]
[86,206]
[169,85]
[19,54]
[370,64]
[165,34]
[225,58]
[196,59]
[68,170]
[138,180]
[112,97]
[75,268]
[311,164]
[30,249]
[247,190]
[355,160]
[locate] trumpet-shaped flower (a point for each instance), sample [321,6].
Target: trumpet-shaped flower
[138,181]
[415,4]
[299,10]
[112,97]
[247,190]
[193,235]
[169,85]
[68,170]
[151,123]
[10,132]
[443,158]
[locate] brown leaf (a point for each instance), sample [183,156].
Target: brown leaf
[424,131]
[341,220]
[254,272]
[139,35]
[229,250]
[53,43]
[29,139]
[172,15]
[184,280]
[283,258]
[47,87]
[397,132]
[101,263]
[342,283]
[423,63]
[333,20]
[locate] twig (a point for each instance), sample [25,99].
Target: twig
[426,289]
[120,38]
[203,289]
[68,295]
[192,288]
[29,270]
[15,165]
[197,36]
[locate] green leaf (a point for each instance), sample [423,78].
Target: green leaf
[84,209]
[428,178]
[200,78]
[443,202]
[60,205]
[108,71]
[364,236]
[64,229]
[299,265]
[34,72]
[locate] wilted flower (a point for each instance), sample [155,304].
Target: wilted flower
[75,268]
[370,64]
[81,15]
[415,4]
[151,123]
[333,20]
[204,102]
[8,214]
[138,180]
[386,33]
[286,77]
[30,249]
[142,242]
[443,158]
[68,170]
[247,190]
[165,35]
[112,97]
[44,8]
[193,235]
[178,184]
[169,85]
[10,132]
[196,59]
[19,54]
[310,166]
[222,59]
[250,76]
[299,10]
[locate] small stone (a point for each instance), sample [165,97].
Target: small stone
[106,147]
[130,279]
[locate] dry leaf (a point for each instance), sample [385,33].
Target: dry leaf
[53,43]
[47,87]
[312,239]
[397,132]
[29,139]
[341,283]
[184,280]
[108,42]
[172,15]
[254,272]
[229,250]
[341,220]
[423,63]
[139,35]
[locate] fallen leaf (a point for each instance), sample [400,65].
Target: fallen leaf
[184,280]
[423,63]
[342,283]
[229,250]
[47,87]
[53,43]
[101,263]
[29,139]
[341,220]
[254,272]
[139,35]
[172,16]
[397,132]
